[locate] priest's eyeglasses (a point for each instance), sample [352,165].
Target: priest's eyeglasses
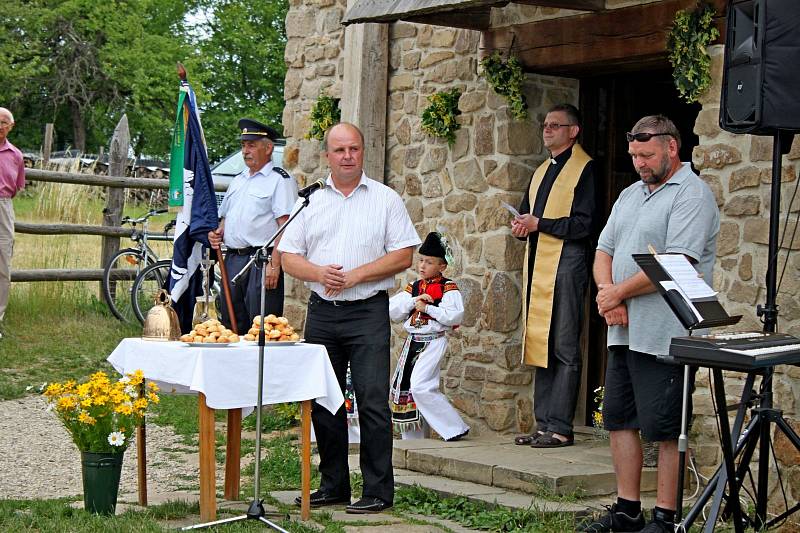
[643,137]
[555,125]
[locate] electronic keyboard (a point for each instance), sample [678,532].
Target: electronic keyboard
[743,351]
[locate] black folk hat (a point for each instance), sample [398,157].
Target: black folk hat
[433,246]
[253,130]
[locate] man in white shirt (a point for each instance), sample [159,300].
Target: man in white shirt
[347,246]
[257,201]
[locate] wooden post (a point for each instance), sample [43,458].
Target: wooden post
[48,144]
[115,198]
[233,454]
[305,460]
[366,74]
[208,499]
[141,454]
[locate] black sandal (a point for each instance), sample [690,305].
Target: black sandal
[527,440]
[550,441]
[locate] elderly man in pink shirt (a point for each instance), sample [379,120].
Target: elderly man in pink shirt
[12,180]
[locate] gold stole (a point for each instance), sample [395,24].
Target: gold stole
[537,317]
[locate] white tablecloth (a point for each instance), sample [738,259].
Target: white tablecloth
[228,376]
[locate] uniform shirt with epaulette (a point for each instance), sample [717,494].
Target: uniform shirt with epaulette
[253,204]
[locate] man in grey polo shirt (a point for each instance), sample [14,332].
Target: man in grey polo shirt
[674,211]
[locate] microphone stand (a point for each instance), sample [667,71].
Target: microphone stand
[256,509]
[263,252]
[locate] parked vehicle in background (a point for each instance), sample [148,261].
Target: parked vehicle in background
[227,169]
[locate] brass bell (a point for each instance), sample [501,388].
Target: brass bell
[161,323]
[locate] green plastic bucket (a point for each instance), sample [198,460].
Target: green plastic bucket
[101,473]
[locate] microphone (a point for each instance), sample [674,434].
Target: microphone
[305,192]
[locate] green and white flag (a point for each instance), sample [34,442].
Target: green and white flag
[177,151]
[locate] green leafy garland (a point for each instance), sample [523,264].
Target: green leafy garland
[506,79]
[324,113]
[439,118]
[691,33]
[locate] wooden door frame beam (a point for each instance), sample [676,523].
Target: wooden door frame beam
[609,40]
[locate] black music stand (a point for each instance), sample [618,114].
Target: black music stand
[692,314]
[757,432]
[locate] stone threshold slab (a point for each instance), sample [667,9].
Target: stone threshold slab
[584,469]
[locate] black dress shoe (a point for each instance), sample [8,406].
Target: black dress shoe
[322,498]
[368,505]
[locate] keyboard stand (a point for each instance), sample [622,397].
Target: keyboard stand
[756,433]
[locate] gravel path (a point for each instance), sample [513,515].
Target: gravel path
[38,459]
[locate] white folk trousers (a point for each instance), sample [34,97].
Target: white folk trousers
[432,404]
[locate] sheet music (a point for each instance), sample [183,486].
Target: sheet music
[511,209]
[668,285]
[685,276]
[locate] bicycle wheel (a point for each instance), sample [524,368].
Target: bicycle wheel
[152,278]
[118,277]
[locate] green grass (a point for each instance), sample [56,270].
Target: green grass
[58,516]
[60,330]
[280,465]
[480,516]
[53,332]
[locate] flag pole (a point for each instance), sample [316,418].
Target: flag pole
[223,272]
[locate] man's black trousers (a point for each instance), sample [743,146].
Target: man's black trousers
[358,333]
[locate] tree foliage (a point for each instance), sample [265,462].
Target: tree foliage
[81,64]
[240,67]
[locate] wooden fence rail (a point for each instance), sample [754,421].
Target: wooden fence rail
[72,229]
[57,274]
[117,182]
[111,230]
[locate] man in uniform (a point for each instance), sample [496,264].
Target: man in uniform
[12,180]
[556,218]
[257,202]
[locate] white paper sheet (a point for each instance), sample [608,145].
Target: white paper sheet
[511,209]
[685,276]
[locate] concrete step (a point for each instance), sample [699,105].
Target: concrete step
[449,488]
[583,470]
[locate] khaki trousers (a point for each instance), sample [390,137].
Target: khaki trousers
[6,250]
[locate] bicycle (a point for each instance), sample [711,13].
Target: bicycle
[154,277]
[147,283]
[121,271]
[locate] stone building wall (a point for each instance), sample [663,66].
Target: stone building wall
[459,189]
[738,168]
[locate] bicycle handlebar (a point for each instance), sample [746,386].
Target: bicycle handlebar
[134,221]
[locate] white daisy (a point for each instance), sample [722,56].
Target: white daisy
[116,438]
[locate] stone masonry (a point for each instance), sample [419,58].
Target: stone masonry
[459,189]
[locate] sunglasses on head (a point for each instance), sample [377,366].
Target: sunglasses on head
[643,137]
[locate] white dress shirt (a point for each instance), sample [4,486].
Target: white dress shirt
[351,231]
[252,205]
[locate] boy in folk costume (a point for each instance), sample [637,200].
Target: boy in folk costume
[431,306]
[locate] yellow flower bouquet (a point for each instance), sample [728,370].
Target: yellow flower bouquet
[99,413]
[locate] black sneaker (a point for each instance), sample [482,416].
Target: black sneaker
[612,520]
[660,523]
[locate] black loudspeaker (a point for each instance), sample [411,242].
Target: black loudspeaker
[761,76]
